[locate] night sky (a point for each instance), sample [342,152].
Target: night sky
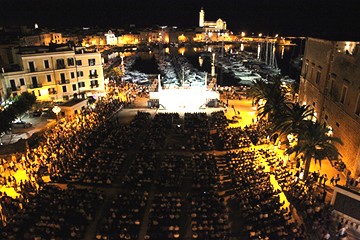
[331,18]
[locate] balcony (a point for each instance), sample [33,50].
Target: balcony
[14,88]
[38,85]
[93,76]
[52,92]
[60,66]
[63,82]
[94,85]
[32,70]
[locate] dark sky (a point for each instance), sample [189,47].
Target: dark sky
[332,18]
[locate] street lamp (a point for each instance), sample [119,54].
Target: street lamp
[56,110]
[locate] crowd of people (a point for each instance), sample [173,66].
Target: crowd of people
[156,189]
[257,200]
[53,213]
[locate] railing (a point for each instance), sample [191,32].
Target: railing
[38,85]
[63,81]
[94,85]
[93,76]
[14,89]
[52,92]
[32,70]
[60,66]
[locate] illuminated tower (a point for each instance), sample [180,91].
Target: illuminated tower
[201,17]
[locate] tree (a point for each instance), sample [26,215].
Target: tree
[257,91]
[114,73]
[23,103]
[20,105]
[314,142]
[293,119]
[274,105]
[271,94]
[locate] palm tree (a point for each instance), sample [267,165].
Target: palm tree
[274,105]
[257,91]
[293,118]
[271,94]
[314,142]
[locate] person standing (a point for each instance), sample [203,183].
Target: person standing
[337,179]
[325,180]
[332,180]
[357,181]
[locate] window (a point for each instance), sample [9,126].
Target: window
[311,73]
[48,77]
[74,87]
[332,86]
[64,88]
[326,117]
[72,75]
[52,91]
[34,79]
[32,67]
[70,62]
[22,81]
[46,64]
[81,84]
[94,83]
[39,93]
[306,69]
[343,94]
[80,73]
[78,62]
[60,63]
[357,109]
[13,85]
[318,75]
[93,73]
[91,62]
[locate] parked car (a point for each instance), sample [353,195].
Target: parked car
[36,113]
[21,124]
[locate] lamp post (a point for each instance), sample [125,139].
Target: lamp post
[56,110]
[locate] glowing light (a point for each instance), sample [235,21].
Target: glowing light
[329,132]
[201,60]
[243,34]
[242,47]
[182,50]
[44,92]
[260,34]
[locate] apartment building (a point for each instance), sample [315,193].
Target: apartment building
[57,75]
[330,82]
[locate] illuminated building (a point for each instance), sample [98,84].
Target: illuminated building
[129,38]
[330,82]
[42,39]
[54,75]
[111,39]
[93,40]
[211,26]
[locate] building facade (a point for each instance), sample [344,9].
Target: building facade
[330,82]
[211,26]
[42,39]
[55,76]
